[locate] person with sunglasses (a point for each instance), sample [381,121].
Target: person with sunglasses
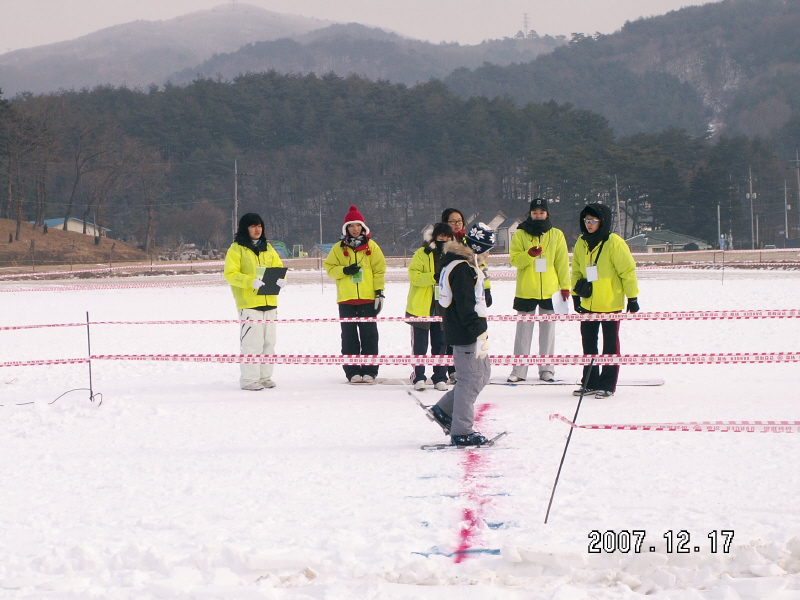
[603,275]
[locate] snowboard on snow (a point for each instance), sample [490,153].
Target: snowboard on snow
[428,384]
[386,381]
[537,381]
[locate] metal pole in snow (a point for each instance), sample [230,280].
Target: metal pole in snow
[584,383]
[89,346]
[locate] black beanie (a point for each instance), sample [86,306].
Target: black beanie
[539,203]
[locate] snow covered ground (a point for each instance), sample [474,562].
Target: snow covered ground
[180,485]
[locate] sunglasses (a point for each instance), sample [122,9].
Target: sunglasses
[591,221]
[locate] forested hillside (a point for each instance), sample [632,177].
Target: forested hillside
[369,52]
[157,167]
[728,66]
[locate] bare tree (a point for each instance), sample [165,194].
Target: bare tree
[89,138]
[24,136]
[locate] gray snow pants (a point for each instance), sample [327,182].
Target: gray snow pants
[524,337]
[473,376]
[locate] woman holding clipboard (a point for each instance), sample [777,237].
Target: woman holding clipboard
[251,261]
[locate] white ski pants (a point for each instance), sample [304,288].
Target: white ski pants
[257,338]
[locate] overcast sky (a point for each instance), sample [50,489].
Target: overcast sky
[26,23]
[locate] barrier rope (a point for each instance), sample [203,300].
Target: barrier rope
[698,426]
[719,265]
[729,358]
[51,361]
[791,313]
[114,286]
[192,265]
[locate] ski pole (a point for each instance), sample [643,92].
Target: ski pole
[584,383]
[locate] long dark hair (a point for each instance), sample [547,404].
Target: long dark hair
[242,236]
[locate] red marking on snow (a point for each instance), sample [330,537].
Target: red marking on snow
[475,463]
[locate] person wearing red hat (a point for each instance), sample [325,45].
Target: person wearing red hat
[358,266]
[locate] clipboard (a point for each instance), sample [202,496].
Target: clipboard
[270,278]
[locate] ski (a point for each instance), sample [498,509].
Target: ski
[428,412]
[488,444]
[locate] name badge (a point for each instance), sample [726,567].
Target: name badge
[591,273]
[358,277]
[437,290]
[541,265]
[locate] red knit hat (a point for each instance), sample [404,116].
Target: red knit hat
[353,216]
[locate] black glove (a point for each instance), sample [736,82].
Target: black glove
[576,302]
[487,295]
[351,269]
[378,301]
[583,288]
[633,305]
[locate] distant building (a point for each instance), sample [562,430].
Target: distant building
[664,240]
[320,250]
[504,227]
[77,225]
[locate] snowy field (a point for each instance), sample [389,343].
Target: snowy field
[180,485]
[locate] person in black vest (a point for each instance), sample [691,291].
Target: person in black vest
[462,298]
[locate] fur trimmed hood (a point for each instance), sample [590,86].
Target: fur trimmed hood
[427,241]
[456,251]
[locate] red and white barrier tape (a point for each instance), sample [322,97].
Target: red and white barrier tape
[114,286]
[38,363]
[406,359]
[193,265]
[712,426]
[791,313]
[504,359]
[719,264]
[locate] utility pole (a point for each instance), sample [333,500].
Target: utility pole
[235,197]
[786,208]
[751,196]
[758,242]
[619,220]
[796,162]
[719,231]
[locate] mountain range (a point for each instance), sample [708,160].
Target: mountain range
[726,66]
[143,53]
[730,66]
[227,41]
